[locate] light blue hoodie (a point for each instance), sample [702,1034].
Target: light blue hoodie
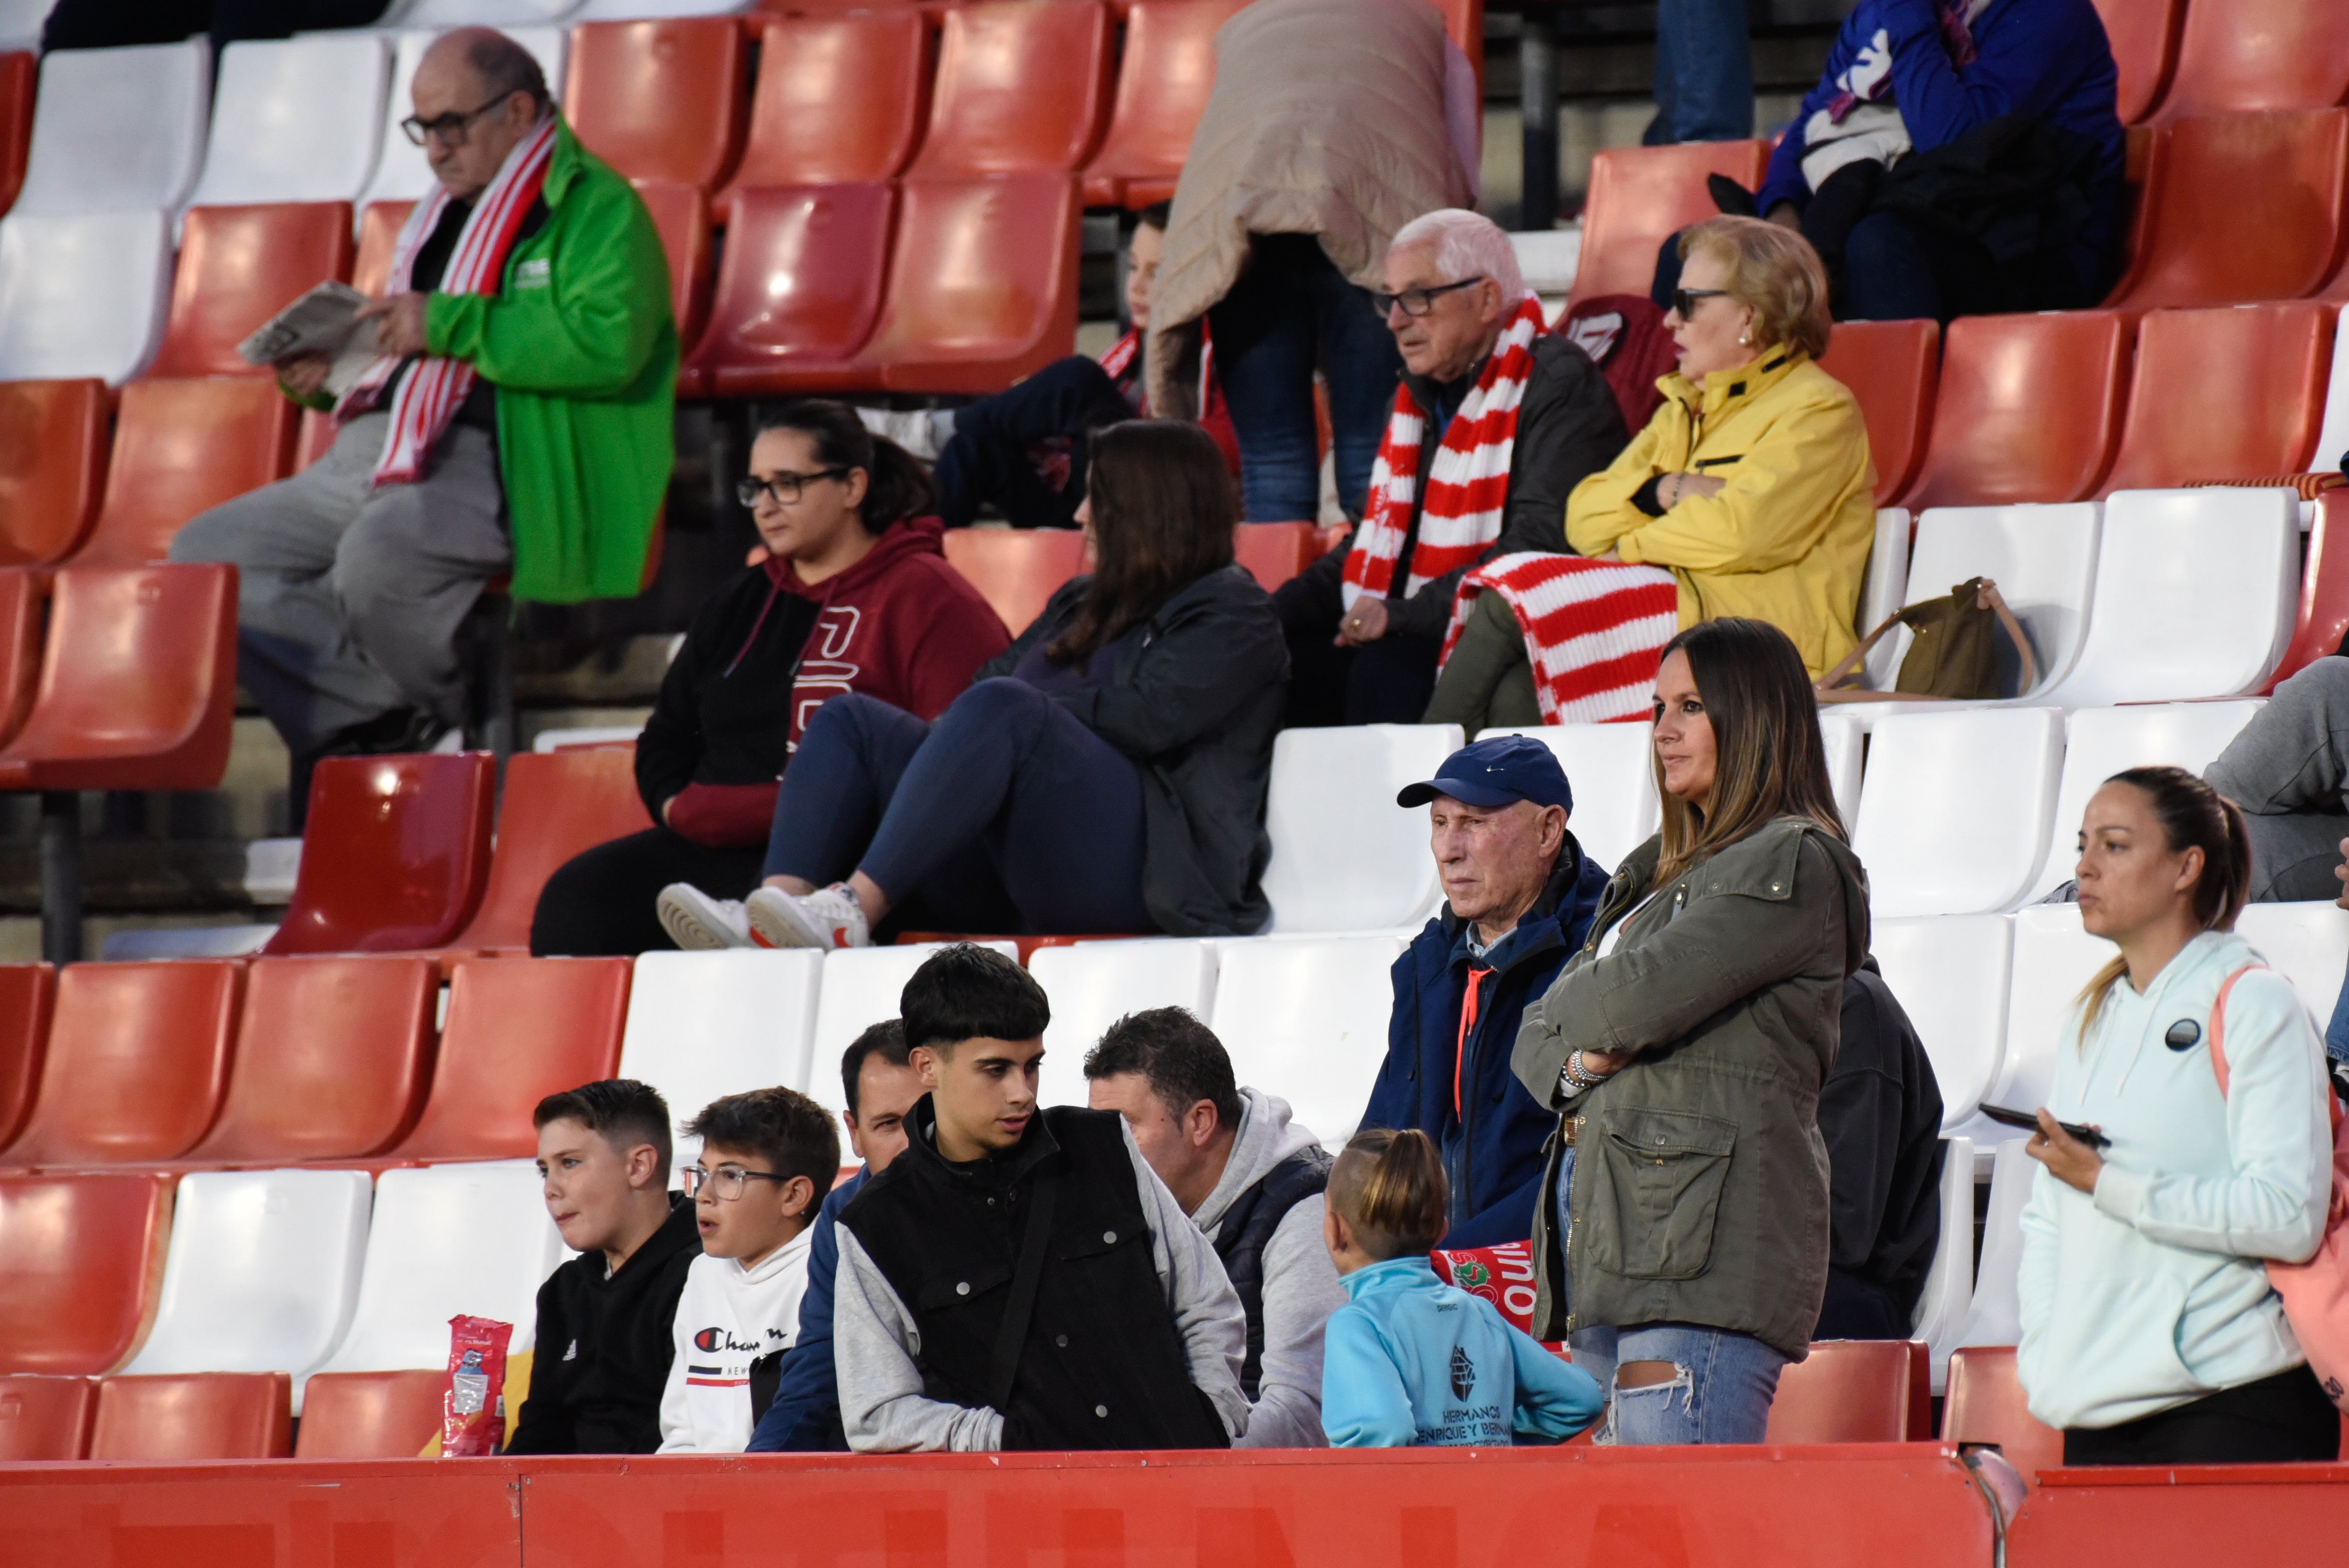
[1409,1359]
[2153,1292]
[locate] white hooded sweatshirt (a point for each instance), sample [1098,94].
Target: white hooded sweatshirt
[727,1317]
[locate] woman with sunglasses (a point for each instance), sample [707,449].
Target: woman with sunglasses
[854,594]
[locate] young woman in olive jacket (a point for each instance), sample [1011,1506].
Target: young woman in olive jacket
[1683,1048]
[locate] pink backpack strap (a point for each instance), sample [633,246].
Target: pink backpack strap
[2218,1030]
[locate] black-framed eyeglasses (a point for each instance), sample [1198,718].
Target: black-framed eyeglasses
[785,487]
[729,1181]
[1419,302]
[1684,300]
[449,129]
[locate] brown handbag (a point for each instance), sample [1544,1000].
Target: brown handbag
[1952,653]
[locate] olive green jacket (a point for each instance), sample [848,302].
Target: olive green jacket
[1699,1190]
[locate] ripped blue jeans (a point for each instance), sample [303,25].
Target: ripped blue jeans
[1721,1394]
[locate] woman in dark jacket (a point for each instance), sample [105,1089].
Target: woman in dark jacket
[855,595]
[1106,773]
[1685,1046]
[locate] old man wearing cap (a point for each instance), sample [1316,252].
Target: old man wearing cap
[1520,894]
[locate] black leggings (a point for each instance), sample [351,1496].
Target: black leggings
[602,903]
[2278,1419]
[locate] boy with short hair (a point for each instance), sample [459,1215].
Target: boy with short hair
[1021,1279]
[767,1158]
[603,1350]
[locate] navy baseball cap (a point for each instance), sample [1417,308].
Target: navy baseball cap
[1499,770]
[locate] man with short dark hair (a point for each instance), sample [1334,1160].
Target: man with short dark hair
[604,1319]
[1251,1179]
[1021,1279]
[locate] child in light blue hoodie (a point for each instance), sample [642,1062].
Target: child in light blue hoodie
[1409,1359]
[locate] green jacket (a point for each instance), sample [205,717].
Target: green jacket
[580,345]
[1699,1190]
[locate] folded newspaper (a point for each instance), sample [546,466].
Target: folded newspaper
[321,321]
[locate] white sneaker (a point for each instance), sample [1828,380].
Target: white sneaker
[700,923]
[912,429]
[828,917]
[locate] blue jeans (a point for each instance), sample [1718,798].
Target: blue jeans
[1721,1394]
[988,459]
[2337,1033]
[1290,310]
[1704,73]
[1005,815]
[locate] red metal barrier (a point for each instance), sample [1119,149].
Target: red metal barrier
[2214,1516]
[1856,1506]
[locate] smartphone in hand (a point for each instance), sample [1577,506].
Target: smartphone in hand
[2087,1135]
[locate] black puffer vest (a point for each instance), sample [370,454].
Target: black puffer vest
[1246,1229]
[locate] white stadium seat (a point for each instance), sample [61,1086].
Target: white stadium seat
[1845,740]
[587,735]
[1954,809]
[1307,1020]
[2054,958]
[2308,944]
[1947,1295]
[1997,1314]
[2196,593]
[20,24]
[296,120]
[1092,984]
[2042,558]
[448,1240]
[1885,591]
[2102,741]
[641,10]
[82,294]
[1949,975]
[861,986]
[1345,857]
[263,1272]
[401,174]
[504,14]
[703,1024]
[118,128]
[1611,769]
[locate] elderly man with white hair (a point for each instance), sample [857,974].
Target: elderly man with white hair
[1495,422]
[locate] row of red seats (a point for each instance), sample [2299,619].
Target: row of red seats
[2226,56]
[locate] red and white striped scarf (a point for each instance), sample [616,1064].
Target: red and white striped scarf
[1468,484]
[429,396]
[1594,630]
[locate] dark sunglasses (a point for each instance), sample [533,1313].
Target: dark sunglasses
[1684,300]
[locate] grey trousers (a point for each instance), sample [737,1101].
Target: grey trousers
[1488,681]
[2288,771]
[349,598]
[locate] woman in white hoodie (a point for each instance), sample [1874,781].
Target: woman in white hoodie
[2151,1332]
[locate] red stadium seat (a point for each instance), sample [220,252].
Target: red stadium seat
[2143,35]
[333,1058]
[1985,1405]
[1855,1391]
[2028,409]
[27,993]
[44,1417]
[83,1257]
[519,1029]
[138,1057]
[1640,195]
[1892,369]
[378,228]
[1276,551]
[680,214]
[396,852]
[839,100]
[369,1415]
[1021,88]
[798,292]
[2239,55]
[182,446]
[138,683]
[2292,168]
[983,290]
[660,100]
[19,71]
[2323,620]
[1015,570]
[53,440]
[2231,393]
[23,602]
[1162,83]
[238,267]
[194,1415]
[557,804]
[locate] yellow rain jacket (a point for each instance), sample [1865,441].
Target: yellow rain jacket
[1787,538]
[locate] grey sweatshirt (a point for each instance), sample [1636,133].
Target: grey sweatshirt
[1300,1282]
[874,1342]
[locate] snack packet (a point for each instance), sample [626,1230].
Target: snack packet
[473,1407]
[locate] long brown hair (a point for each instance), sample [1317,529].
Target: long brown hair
[1164,510]
[1769,760]
[1388,1188]
[2193,816]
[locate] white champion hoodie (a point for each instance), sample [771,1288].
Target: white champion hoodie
[727,1317]
[2153,1292]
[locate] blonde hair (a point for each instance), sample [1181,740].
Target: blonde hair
[2193,816]
[1388,1188]
[1774,271]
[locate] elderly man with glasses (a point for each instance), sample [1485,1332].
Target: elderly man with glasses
[1495,422]
[518,419]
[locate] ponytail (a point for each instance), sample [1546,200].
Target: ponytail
[896,486]
[2193,816]
[1388,1188]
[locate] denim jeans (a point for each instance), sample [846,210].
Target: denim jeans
[1291,311]
[1704,73]
[1721,1394]
[988,458]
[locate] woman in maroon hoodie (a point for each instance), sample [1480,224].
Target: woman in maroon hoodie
[855,595]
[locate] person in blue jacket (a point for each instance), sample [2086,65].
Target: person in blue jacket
[1520,896]
[1410,1360]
